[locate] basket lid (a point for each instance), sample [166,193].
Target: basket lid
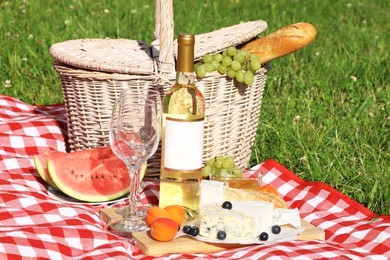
[109,55]
[221,39]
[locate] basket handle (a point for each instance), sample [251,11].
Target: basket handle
[163,34]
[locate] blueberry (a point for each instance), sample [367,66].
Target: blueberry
[221,235]
[227,205]
[187,229]
[276,229]
[263,236]
[194,231]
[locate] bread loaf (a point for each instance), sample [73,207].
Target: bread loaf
[233,194]
[282,42]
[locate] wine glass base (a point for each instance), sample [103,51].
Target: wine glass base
[140,210]
[128,226]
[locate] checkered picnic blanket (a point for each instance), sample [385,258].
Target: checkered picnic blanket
[36,225]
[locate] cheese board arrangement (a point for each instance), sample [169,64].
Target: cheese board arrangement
[229,218]
[184,243]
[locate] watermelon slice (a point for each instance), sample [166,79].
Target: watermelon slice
[93,154]
[91,180]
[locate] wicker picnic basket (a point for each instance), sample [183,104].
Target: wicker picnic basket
[94,71]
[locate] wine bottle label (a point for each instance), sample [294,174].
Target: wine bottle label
[183,142]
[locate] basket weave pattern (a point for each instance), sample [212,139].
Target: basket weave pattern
[92,82]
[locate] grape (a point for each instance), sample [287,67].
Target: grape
[196,65]
[218,57]
[209,67]
[206,171]
[276,229]
[227,205]
[229,158]
[221,235]
[215,65]
[218,164]
[263,236]
[219,158]
[248,77]
[194,231]
[187,229]
[237,172]
[222,69]
[240,76]
[231,51]
[227,164]
[201,70]
[254,57]
[231,73]
[244,53]
[207,58]
[210,162]
[239,57]
[236,65]
[221,166]
[255,65]
[227,61]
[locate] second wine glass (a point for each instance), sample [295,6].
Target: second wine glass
[134,137]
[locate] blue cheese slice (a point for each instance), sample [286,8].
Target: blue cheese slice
[247,219]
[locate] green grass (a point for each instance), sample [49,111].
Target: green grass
[326,108]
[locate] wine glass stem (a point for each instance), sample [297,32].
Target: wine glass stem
[134,191]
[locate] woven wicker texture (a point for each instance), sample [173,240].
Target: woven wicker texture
[221,39]
[93,72]
[110,55]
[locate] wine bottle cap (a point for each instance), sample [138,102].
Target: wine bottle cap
[185,57]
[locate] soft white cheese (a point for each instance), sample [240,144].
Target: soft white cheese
[247,219]
[261,211]
[211,193]
[234,223]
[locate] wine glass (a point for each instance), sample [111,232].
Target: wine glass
[134,136]
[151,95]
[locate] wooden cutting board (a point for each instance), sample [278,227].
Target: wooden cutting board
[189,245]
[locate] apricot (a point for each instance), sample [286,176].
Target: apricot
[177,213]
[164,229]
[270,189]
[154,213]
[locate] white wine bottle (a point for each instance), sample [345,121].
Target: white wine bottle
[182,135]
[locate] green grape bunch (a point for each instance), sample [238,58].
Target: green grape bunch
[221,166]
[236,64]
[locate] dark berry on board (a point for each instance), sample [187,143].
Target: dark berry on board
[221,235]
[227,205]
[194,231]
[263,236]
[276,229]
[187,229]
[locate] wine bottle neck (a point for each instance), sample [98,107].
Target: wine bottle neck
[185,55]
[185,78]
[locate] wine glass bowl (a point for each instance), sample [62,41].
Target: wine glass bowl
[134,137]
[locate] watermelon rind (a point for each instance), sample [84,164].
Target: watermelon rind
[40,160]
[83,189]
[40,165]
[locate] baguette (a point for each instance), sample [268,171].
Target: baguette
[233,194]
[284,41]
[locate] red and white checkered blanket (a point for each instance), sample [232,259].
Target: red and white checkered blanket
[34,225]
